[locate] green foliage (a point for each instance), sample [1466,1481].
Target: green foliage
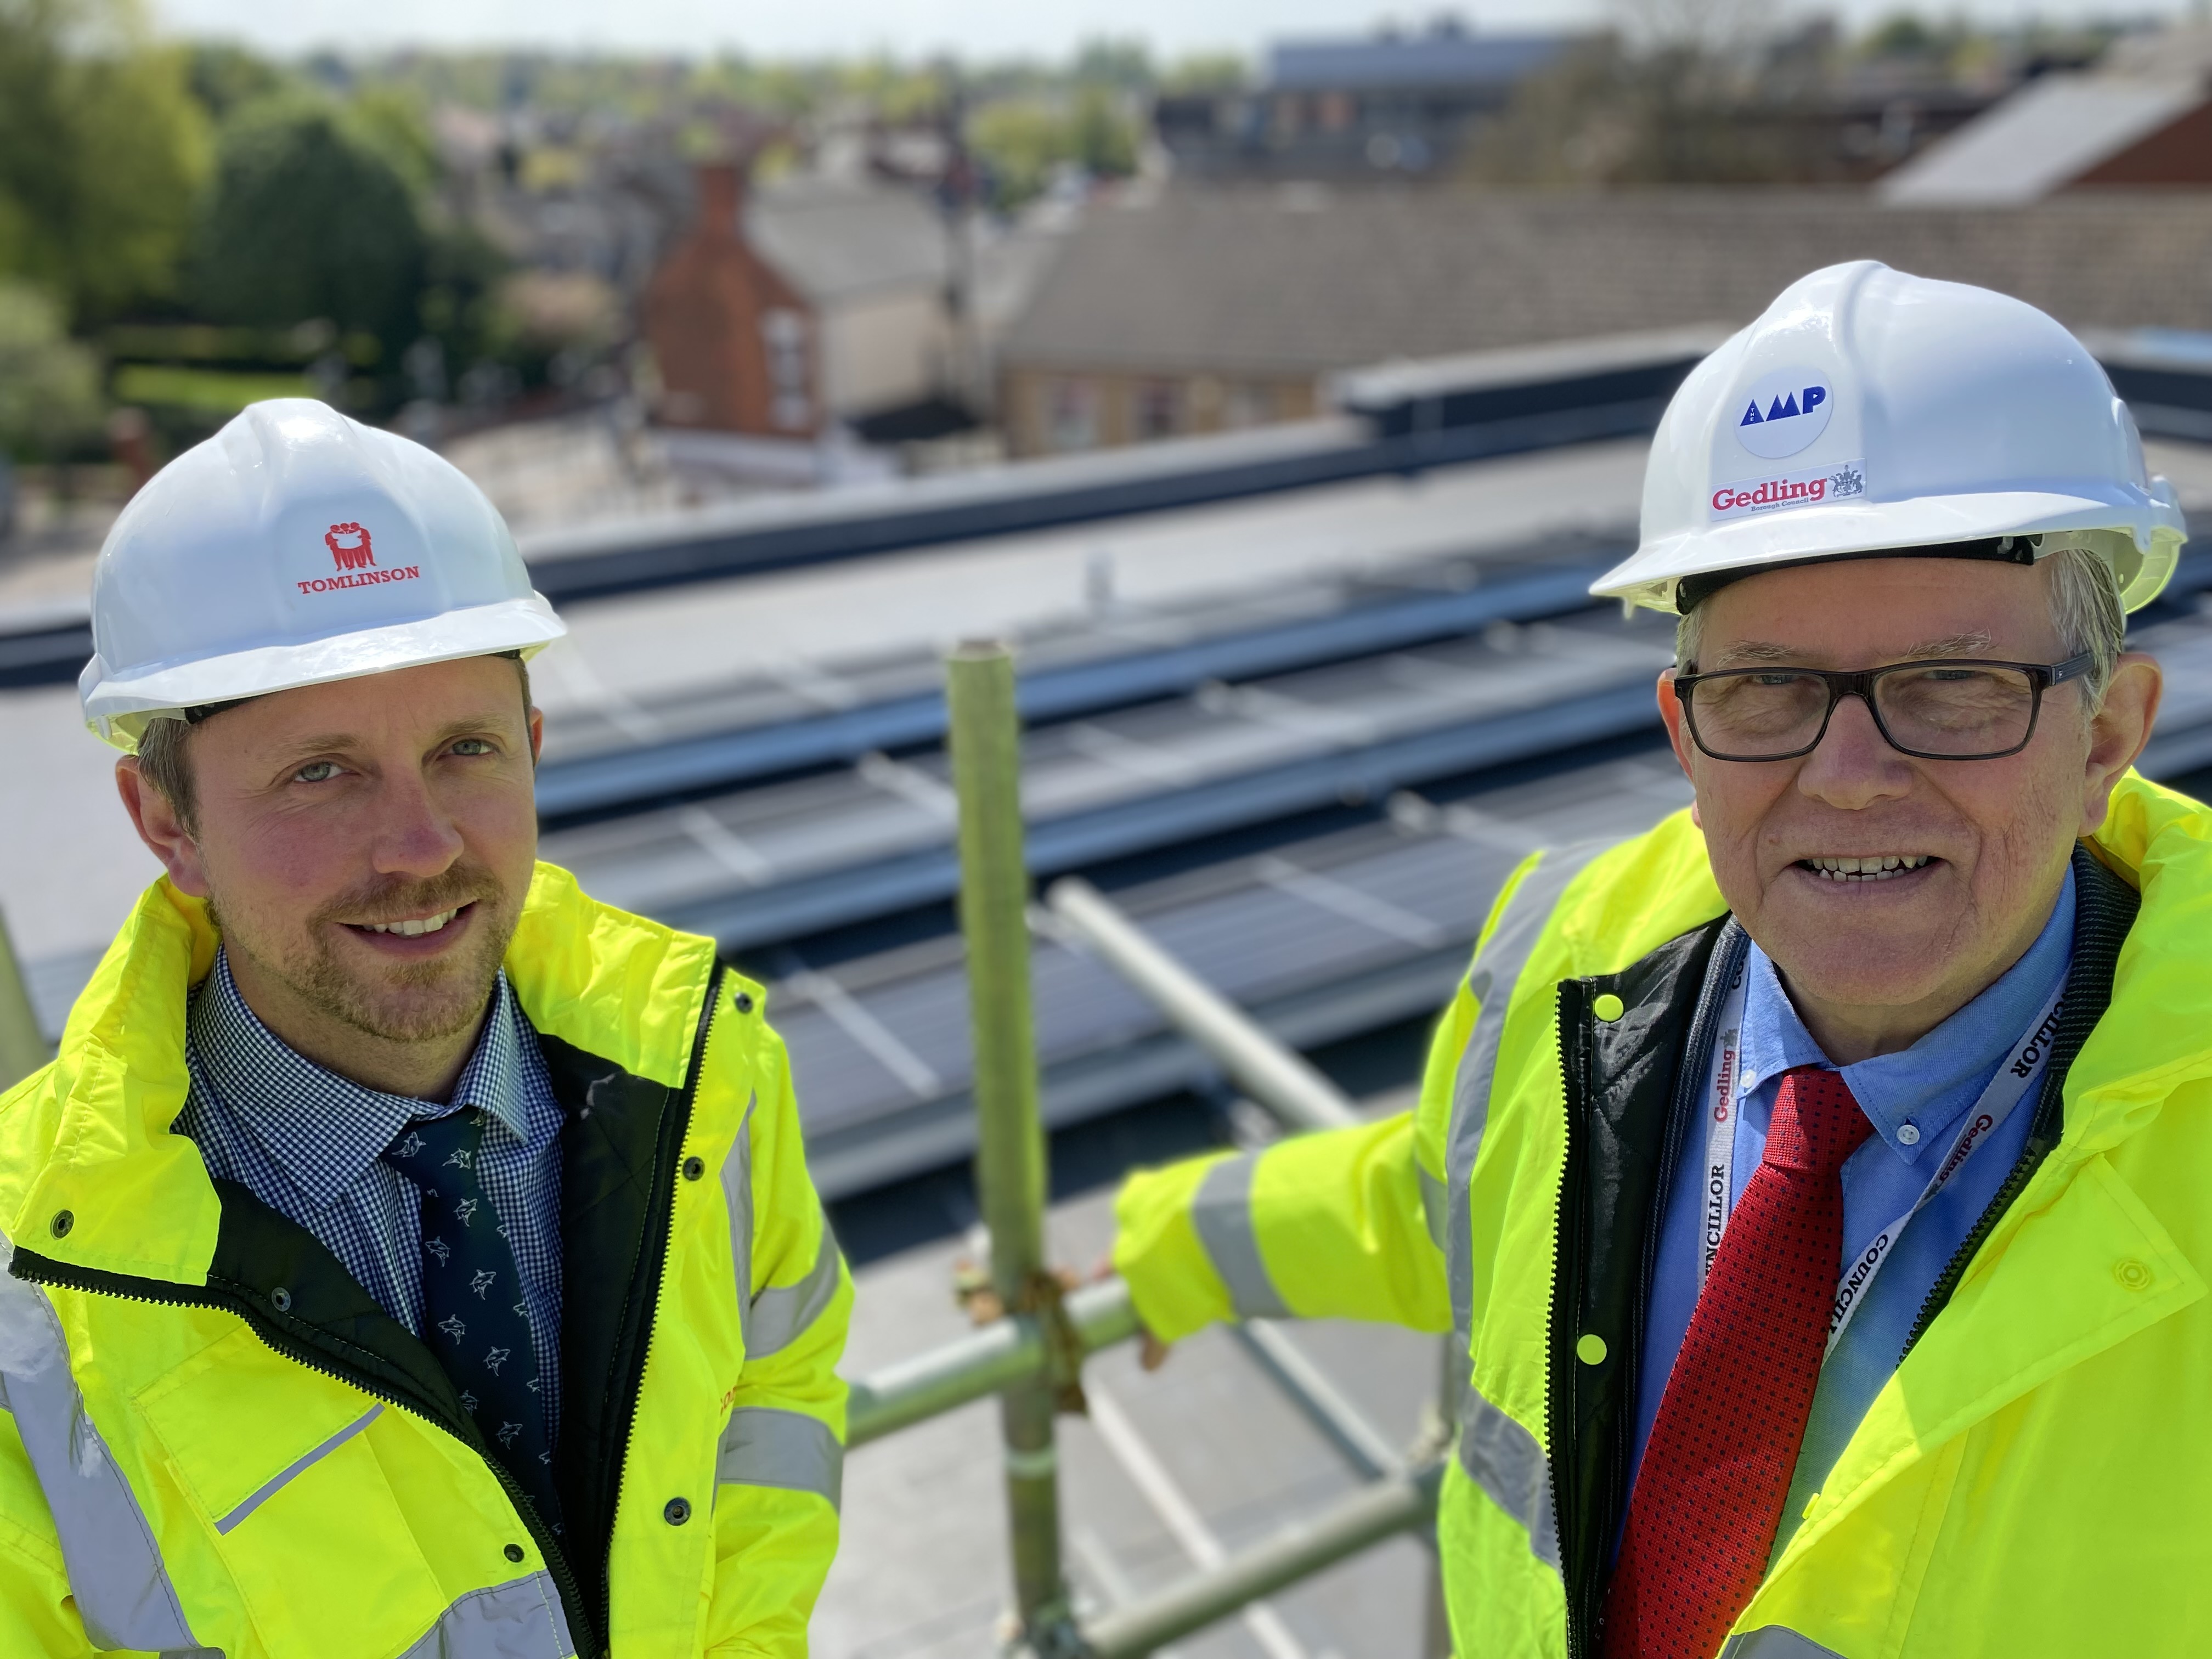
[307,220]
[1107,62]
[1207,71]
[102,147]
[389,121]
[223,77]
[49,384]
[1022,141]
[1101,138]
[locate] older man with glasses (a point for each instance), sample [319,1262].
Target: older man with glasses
[1816,1186]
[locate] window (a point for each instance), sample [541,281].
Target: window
[790,385]
[1070,414]
[1158,410]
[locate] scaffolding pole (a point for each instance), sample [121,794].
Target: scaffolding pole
[1384,1508]
[985,738]
[999,1355]
[22,1045]
[1282,1081]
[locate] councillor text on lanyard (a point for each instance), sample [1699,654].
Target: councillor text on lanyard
[2015,1075]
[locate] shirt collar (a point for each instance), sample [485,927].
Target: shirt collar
[323,1130]
[1929,1086]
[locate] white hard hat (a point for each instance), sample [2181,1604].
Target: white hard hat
[1869,410]
[293,547]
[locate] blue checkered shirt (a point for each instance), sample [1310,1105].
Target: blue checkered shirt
[307,1142]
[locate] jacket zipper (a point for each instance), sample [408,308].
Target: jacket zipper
[1566,1284]
[669,1173]
[45,1270]
[1939,1296]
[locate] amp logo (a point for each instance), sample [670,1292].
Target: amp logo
[350,548]
[1786,408]
[1782,412]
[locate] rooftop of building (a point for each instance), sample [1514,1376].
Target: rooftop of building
[1298,279]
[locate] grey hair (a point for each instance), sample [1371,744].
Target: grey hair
[2085,613]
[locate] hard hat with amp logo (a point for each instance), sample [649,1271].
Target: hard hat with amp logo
[296,547]
[1869,412]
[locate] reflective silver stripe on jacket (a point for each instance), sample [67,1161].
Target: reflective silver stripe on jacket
[1491,980]
[1503,1459]
[116,1574]
[781,1312]
[1775,1643]
[298,1467]
[737,1194]
[1222,1214]
[766,1446]
[520,1619]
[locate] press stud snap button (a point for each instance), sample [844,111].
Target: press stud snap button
[1908,1134]
[1608,1007]
[694,1168]
[1590,1348]
[2131,1274]
[677,1512]
[744,1002]
[514,1552]
[62,1223]
[281,1299]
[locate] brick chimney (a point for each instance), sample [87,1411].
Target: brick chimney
[721,188]
[731,337]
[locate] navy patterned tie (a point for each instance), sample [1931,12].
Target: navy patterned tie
[472,1302]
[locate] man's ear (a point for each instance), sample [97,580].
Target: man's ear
[2118,731]
[1678,736]
[154,818]
[536,717]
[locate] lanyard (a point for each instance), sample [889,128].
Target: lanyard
[2015,1075]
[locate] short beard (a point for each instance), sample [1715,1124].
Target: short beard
[411,1002]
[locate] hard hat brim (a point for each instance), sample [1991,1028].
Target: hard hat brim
[117,708]
[1868,529]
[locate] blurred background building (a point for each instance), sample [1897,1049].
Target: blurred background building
[1278,403]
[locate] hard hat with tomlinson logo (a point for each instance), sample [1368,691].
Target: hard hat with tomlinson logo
[293,547]
[1871,412]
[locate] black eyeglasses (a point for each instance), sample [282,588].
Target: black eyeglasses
[1947,708]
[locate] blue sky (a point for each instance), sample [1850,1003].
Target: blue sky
[973,27]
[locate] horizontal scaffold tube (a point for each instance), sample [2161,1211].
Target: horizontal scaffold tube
[1003,1352]
[1382,1509]
[1284,1082]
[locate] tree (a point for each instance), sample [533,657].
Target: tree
[102,150]
[49,385]
[307,220]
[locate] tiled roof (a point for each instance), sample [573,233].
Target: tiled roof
[835,241]
[2042,138]
[1295,279]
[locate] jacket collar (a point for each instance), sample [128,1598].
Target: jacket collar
[88,1138]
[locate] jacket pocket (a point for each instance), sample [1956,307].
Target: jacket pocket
[282,1463]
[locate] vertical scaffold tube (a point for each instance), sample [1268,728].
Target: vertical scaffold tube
[22,1045]
[1009,1159]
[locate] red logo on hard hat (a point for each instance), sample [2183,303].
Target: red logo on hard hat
[353,553]
[350,549]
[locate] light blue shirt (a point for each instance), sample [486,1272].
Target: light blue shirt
[1928,1086]
[306,1143]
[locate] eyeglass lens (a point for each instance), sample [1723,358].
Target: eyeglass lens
[1961,711]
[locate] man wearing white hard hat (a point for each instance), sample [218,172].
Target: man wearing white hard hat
[410,1255]
[1819,1187]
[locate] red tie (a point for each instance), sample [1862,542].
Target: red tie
[1717,1469]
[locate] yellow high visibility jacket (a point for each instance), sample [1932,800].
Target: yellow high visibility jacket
[2035,1480]
[214,1442]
